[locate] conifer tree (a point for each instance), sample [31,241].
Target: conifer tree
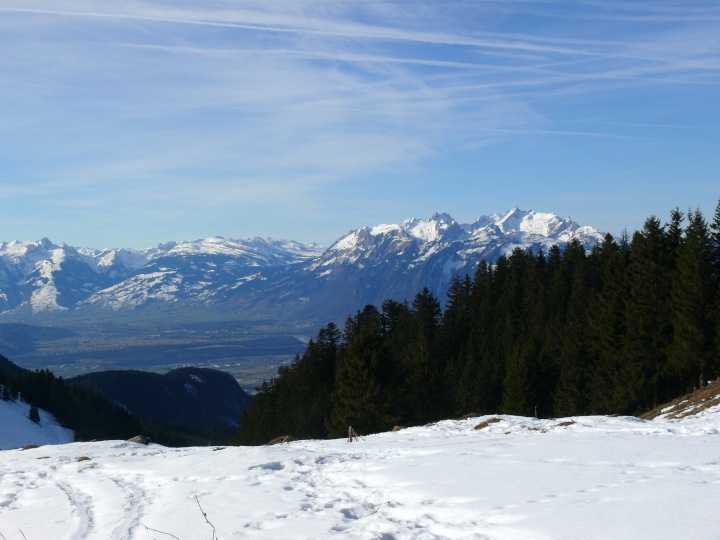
[675,232]
[646,318]
[691,305]
[455,327]
[715,244]
[607,327]
[423,367]
[259,422]
[518,388]
[571,396]
[715,265]
[361,399]
[34,414]
[482,366]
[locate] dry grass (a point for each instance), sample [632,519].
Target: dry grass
[283,439]
[688,405]
[486,423]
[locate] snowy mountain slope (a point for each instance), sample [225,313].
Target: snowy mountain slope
[42,276]
[423,242]
[17,431]
[365,266]
[518,478]
[369,265]
[199,271]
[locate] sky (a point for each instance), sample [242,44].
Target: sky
[127,124]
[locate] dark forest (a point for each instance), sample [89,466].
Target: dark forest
[630,325]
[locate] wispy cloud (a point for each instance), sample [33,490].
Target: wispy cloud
[272,104]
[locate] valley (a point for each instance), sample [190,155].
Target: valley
[250,351]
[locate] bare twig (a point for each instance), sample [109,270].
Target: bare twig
[376,508]
[3,537]
[23,534]
[160,532]
[214,535]
[352,435]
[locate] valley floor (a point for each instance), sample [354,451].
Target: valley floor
[518,478]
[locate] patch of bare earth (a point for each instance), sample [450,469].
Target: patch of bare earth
[486,423]
[688,405]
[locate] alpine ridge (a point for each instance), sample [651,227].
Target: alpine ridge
[366,265]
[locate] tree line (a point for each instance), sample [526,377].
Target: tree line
[630,325]
[89,415]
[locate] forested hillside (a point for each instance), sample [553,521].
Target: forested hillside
[632,324]
[87,414]
[188,405]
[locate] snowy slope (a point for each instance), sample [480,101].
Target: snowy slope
[519,478]
[17,431]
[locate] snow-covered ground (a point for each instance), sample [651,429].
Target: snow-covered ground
[16,430]
[519,478]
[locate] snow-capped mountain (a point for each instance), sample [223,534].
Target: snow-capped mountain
[42,276]
[369,265]
[366,265]
[198,271]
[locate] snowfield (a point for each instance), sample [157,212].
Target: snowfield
[517,478]
[16,430]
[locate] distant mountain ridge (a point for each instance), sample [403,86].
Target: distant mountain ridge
[195,397]
[366,265]
[41,276]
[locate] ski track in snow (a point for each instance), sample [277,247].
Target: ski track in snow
[520,478]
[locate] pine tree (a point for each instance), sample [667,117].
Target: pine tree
[691,306]
[527,371]
[482,367]
[715,244]
[675,232]
[519,384]
[361,399]
[423,366]
[607,327]
[257,421]
[571,396]
[715,265]
[34,414]
[647,320]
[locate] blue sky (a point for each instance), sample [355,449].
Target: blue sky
[136,122]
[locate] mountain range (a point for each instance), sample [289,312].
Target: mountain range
[269,277]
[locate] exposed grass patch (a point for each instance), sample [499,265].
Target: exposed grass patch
[283,439]
[486,423]
[688,405]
